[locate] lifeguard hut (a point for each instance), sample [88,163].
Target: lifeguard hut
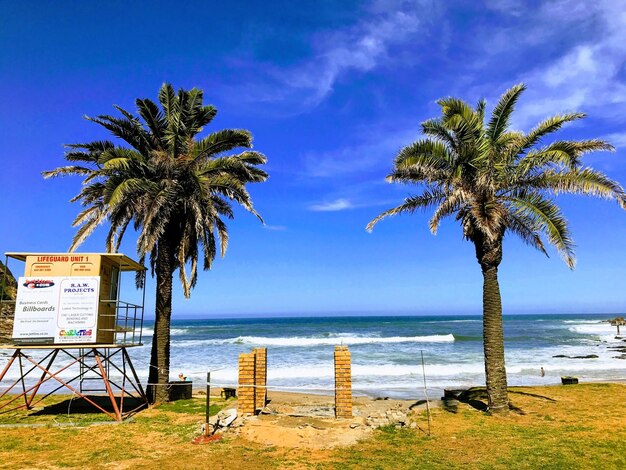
[72,330]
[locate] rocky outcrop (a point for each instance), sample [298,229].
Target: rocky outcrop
[589,356]
[8,292]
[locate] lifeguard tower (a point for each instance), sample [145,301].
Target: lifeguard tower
[72,330]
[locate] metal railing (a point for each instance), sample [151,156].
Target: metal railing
[128,329]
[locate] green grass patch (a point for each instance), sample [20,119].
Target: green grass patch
[191,406]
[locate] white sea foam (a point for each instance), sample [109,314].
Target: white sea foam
[174,331]
[303,341]
[373,371]
[592,329]
[581,321]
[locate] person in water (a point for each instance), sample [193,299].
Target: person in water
[543,372]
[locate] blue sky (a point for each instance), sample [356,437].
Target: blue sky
[331,91]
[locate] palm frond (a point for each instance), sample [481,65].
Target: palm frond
[526,229]
[545,127]
[501,114]
[410,205]
[220,142]
[450,205]
[560,153]
[436,129]
[67,170]
[547,217]
[585,181]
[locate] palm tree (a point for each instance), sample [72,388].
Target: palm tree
[174,188]
[497,181]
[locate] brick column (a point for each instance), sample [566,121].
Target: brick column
[343,383]
[245,390]
[260,377]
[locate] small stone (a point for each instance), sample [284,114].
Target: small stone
[354,425]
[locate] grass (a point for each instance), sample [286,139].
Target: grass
[579,427]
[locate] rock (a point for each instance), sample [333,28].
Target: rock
[354,425]
[589,356]
[239,422]
[224,418]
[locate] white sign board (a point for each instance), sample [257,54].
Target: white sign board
[59,310]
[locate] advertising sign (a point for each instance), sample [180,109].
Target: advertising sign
[56,309]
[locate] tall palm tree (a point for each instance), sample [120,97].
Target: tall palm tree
[174,188]
[495,181]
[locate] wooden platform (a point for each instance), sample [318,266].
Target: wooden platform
[68,346]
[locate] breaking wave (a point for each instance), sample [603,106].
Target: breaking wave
[312,341]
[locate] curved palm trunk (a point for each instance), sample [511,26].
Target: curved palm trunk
[489,255]
[160,354]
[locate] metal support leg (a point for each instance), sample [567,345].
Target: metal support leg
[43,376]
[19,359]
[8,366]
[118,415]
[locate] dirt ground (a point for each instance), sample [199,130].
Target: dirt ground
[307,421]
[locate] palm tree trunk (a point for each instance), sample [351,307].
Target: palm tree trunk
[160,354]
[489,255]
[493,339]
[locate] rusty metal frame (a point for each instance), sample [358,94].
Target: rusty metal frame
[103,357]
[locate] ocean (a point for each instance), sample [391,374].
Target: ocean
[387,351]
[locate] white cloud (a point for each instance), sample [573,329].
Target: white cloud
[618,139]
[360,48]
[508,7]
[332,206]
[587,75]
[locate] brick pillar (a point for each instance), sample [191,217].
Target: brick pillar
[245,390]
[260,377]
[343,383]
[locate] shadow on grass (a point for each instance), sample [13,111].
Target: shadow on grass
[534,395]
[81,406]
[476,397]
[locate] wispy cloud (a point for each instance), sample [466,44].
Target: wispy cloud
[275,228]
[332,206]
[587,73]
[370,149]
[618,139]
[359,48]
